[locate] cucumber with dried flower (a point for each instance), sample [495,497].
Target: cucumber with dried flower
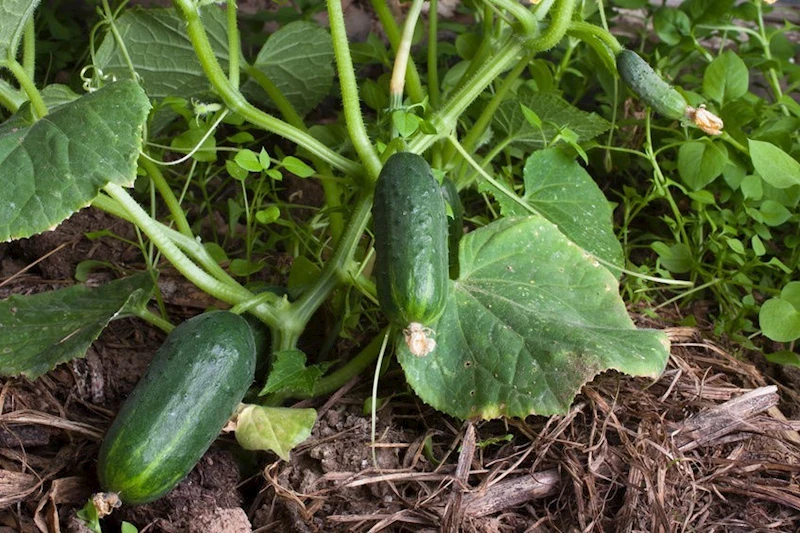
[411,263]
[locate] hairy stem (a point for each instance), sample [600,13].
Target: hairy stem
[167,195]
[230,293]
[433,55]
[350,100]
[39,107]
[234,46]
[239,104]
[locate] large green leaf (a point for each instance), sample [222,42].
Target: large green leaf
[51,168]
[553,112]
[531,319]
[298,60]
[161,53]
[559,189]
[41,331]
[14,14]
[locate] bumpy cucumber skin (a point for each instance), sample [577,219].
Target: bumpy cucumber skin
[410,225]
[648,85]
[194,383]
[455,225]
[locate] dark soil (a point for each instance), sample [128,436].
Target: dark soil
[630,455]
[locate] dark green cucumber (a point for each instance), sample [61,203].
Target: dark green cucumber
[194,383]
[410,225]
[455,224]
[649,86]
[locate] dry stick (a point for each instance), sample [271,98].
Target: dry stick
[452,515]
[714,423]
[511,492]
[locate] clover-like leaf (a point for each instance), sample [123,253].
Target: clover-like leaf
[531,319]
[778,168]
[289,372]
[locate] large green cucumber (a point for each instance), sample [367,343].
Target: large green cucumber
[410,225]
[194,383]
[649,86]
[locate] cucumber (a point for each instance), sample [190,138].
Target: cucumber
[194,383]
[649,86]
[411,266]
[455,224]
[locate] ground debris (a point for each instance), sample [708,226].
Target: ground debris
[704,447]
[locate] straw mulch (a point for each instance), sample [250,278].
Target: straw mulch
[705,448]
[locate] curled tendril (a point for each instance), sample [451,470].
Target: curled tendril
[94,78]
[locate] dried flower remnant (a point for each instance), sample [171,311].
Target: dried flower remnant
[705,120]
[418,339]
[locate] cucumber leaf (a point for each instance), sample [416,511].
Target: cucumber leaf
[553,113]
[298,60]
[14,14]
[560,190]
[531,319]
[160,51]
[55,166]
[275,429]
[40,331]
[289,372]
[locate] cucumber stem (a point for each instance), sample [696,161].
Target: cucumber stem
[232,293]
[234,46]
[35,97]
[398,79]
[350,100]
[167,195]
[10,98]
[237,103]
[433,54]
[389,25]
[148,316]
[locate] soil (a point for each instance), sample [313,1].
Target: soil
[706,447]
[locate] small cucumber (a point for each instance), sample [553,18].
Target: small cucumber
[194,383]
[649,86]
[410,225]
